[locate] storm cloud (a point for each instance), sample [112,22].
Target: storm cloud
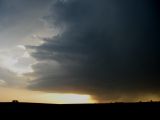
[106,48]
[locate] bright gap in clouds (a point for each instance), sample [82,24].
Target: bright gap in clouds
[67,98]
[17,60]
[23,95]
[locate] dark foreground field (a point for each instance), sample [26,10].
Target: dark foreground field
[148,107]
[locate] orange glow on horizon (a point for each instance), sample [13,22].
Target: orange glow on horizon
[67,98]
[24,95]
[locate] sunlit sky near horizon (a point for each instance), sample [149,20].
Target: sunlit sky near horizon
[75,51]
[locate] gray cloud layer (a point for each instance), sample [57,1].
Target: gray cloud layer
[10,79]
[20,19]
[108,48]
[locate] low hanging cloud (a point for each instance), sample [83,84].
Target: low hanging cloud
[106,48]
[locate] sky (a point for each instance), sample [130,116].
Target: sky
[79,51]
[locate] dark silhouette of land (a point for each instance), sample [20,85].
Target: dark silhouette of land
[139,107]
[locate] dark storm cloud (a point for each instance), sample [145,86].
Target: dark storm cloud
[105,48]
